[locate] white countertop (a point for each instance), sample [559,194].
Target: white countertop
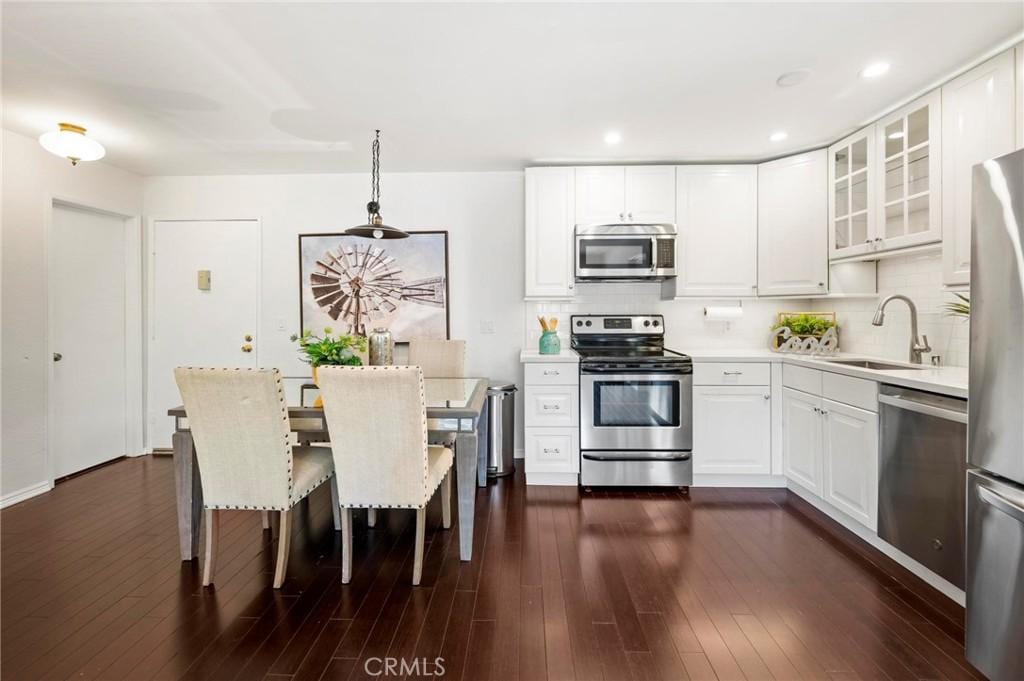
[950,381]
[534,357]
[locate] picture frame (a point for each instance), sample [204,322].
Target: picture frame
[353,284]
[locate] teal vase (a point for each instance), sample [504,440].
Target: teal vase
[550,344]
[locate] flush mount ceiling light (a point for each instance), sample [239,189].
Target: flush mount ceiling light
[791,78]
[612,137]
[375,227]
[69,141]
[778,136]
[875,70]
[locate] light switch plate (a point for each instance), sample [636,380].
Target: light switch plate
[203,280]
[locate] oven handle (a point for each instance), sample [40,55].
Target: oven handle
[638,369]
[674,456]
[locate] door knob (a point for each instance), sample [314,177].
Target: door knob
[246,348]
[57,357]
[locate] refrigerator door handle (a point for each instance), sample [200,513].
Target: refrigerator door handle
[1004,504]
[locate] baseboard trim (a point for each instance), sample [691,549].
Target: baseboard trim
[556,479]
[723,480]
[875,542]
[25,493]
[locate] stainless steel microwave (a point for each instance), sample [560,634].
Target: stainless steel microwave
[625,252]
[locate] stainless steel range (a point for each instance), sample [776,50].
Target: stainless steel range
[636,403]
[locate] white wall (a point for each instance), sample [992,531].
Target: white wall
[920,278]
[483,213]
[31,178]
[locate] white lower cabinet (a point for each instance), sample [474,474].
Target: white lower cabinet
[551,420]
[831,450]
[732,427]
[802,439]
[850,480]
[552,450]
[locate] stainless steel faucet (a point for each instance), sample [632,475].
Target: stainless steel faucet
[917,345]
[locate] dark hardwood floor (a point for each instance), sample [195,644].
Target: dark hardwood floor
[727,584]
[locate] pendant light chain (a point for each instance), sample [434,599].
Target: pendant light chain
[375,173]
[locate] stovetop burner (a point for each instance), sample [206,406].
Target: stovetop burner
[607,338]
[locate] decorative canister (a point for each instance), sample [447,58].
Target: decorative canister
[382,347]
[550,344]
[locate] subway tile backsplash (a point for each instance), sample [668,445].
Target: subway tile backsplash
[918,277]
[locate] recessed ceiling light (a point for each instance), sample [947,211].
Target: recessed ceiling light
[779,136]
[69,141]
[612,137]
[875,70]
[896,135]
[791,78]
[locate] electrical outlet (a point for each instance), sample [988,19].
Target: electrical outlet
[486,326]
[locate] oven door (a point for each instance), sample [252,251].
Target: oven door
[645,411]
[616,257]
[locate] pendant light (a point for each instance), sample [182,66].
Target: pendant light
[69,141]
[375,227]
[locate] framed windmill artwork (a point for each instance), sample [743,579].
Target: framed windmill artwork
[354,284]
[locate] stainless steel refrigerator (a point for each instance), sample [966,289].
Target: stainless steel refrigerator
[995,427]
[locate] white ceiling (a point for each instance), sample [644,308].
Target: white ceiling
[260,88]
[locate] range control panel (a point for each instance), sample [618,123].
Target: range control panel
[618,324]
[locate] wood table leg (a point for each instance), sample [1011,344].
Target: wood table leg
[189,494]
[466,458]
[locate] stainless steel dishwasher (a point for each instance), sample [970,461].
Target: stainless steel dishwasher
[922,473]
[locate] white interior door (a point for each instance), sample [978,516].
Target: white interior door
[195,326]
[87,279]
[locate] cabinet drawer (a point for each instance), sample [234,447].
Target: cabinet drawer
[552,374]
[858,392]
[551,406]
[552,450]
[732,373]
[802,378]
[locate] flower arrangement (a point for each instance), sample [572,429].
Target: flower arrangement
[328,350]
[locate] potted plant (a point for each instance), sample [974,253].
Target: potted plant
[328,350]
[959,308]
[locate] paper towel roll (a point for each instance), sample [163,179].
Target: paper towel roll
[722,313]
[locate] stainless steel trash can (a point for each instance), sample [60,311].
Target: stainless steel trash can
[501,428]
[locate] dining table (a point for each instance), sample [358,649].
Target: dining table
[455,406]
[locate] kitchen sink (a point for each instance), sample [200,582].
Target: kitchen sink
[878,366]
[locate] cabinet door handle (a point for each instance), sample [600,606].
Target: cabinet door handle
[767,397]
[817,411]
[551,373]
[552,406]
[824,413]
[551,450]
[732,373]
[629,216]
[622,217]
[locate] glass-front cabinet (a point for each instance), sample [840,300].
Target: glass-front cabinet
[908,143]
[884,183]
[851,178]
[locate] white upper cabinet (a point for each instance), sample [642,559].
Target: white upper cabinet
[909,152]
[792,225]
[600,195]
[1020,95]
[651,194]
[851,194]
[549,232]
[614,194]
[978,123]
[716,213]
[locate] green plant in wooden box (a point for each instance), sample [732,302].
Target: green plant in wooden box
[806,324]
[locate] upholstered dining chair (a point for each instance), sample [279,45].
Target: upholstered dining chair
[247,453]
[378,419]
[439,358]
